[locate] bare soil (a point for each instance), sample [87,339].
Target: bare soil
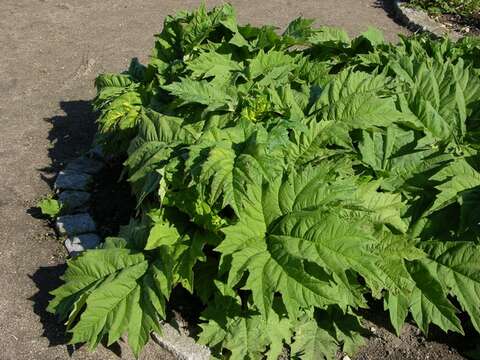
[50,53]
[467,26]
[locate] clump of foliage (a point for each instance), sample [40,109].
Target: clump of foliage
[282,179]
[50,207]
[467,8]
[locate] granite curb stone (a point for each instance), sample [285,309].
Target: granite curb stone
[74,201]
[72,180]
[86,165]
[96,152]
[76,244]
[71,225]
[182,346]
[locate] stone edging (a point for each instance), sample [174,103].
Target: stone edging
[180,345]
[418,20]
[73,186]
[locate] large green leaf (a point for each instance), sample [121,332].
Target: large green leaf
[456,265]
[319,336]
[440,94]
[359,101]
[201,92]
[114,285]
[213,64]
[313,342]
[457,178]
[292,223]
[429,303]
[245,334]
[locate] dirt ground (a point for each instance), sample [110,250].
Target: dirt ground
[50,53]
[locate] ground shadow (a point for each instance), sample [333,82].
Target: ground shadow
[47,279]
[71,135]
[388,6]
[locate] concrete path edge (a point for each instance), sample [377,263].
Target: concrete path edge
[419,21]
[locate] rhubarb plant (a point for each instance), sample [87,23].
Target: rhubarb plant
[282,178]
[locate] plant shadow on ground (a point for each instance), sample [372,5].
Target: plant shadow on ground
[388,6]
[71,135]
[47,279]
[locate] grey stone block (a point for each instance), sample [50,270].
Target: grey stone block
[73,200]
[71,180]
[180,345]
[71,225]
[96,152]
[84,164]
[76,244]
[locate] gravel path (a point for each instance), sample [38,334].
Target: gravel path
[50,52]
